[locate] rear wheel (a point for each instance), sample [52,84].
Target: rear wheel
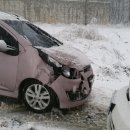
[38,98]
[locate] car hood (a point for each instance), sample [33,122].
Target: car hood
[68,56]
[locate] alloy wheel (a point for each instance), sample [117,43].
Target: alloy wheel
[37,96]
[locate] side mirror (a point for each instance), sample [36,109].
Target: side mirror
[4,47]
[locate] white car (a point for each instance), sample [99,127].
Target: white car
[119,111]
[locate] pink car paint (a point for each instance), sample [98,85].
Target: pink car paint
[14,70]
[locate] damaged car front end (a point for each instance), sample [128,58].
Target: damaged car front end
[46,71]
[73,78]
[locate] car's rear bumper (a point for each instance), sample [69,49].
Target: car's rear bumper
[72,92]
[119,111]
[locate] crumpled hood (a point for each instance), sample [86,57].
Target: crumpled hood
[68,56]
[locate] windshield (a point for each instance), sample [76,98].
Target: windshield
[35,35]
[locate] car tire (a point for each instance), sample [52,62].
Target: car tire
[38,98]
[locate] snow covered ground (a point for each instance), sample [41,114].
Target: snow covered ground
[108,48]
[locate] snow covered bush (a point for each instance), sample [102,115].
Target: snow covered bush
[80,31]
[91,34]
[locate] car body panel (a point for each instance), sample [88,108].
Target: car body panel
[10,16]
[68,56]
[8,71]
[32,67]
[120,116]
[62,84]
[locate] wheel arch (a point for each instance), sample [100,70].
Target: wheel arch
[25,82]
[33,80]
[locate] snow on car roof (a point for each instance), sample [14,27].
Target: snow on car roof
[10,16]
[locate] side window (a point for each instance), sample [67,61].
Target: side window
[10,41]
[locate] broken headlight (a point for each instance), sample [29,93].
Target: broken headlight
[66,71]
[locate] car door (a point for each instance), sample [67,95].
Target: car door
[8,61]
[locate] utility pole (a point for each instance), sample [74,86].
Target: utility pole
[86,12]
[129,10]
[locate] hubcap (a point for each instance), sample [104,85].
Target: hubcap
[37,96]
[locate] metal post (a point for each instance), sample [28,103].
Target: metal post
[86,12]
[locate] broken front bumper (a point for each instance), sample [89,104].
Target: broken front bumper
[73,92]
[80,93]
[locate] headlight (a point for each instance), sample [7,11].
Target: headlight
[54,62]
[64,69]
[66,72]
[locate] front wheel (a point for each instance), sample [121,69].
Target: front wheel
[38,98]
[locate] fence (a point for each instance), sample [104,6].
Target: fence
[60,11]
[120,11]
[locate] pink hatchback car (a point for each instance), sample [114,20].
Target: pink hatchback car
[39,70]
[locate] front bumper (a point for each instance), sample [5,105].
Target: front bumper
[119,111]
[73,92]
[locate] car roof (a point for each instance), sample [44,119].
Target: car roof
[11,16]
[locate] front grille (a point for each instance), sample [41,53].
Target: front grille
[75,96]
[75,74]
